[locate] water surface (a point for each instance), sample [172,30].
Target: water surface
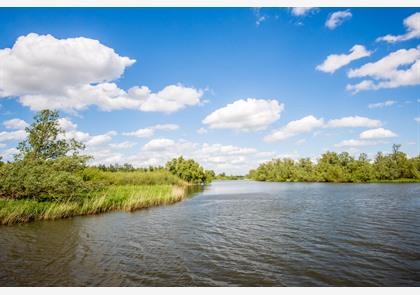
[234,233]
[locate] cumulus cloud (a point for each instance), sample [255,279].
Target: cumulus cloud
[302,11]
[100,139]
[335,61]
[412,25]
[353,121]
[311,123]
[123,145]
[356,143]
[75,73]
[417,119]
[12,135]
[293,128]
[381,105]
[337,18]
[159,144]
[377,133]
[150,131]
[245,115]
[388,72]
[221,158]
[16,124]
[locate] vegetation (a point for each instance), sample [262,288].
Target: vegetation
[223,176]
[333,167]
[189,170]
[49,179]
[121,197]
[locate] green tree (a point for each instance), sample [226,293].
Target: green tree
[189,170]
[46,139]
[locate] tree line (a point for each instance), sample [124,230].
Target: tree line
[342,167]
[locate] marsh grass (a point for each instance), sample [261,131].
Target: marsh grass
[113,198]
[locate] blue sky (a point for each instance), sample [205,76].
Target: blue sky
[228,87]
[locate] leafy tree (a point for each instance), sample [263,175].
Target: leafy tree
[48,166]
[189,170]
[46,139]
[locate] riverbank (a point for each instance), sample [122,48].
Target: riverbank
[114,198]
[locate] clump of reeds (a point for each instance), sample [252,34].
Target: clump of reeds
[113,198]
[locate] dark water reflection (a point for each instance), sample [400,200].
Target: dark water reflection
[234,233]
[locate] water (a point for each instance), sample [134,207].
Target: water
[234,233]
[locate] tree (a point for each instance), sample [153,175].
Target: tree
[46,139]
[189,170]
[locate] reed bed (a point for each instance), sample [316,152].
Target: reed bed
[113,198]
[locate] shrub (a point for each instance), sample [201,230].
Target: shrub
[189,170]
[44,179]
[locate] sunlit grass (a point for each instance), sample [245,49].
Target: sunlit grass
[113,198]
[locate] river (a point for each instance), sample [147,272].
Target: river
[233,233]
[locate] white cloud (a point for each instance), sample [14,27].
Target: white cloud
[75,73]
[381,105]
[377,133]
[221,158]
[412,25]
[123,145]
[335,61]
[12,135]
[417,119]
[356,143]
[293,128]
[16,124]
[101,139]
[7,155]
[66,124]
[245,115]
[337,18]
[159,144]
[311,123]
[387,72]
[170,99]
[353,121]
[302,11]
[150,131]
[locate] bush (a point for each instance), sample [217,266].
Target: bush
[44,179]
[189,170]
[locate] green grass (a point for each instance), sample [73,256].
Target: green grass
[113,198]
[157,177]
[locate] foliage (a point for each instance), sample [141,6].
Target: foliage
[46,139]
[43,179]
[223,176]
[189,170]
[333,167]
[47,166]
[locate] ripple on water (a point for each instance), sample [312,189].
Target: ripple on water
[237,233]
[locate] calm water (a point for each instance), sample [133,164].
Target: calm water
[237,233]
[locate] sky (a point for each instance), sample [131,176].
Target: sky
[228,87]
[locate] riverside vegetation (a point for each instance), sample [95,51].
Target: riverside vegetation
[333,167]
[50,179]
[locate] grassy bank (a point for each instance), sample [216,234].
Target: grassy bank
[114,198]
